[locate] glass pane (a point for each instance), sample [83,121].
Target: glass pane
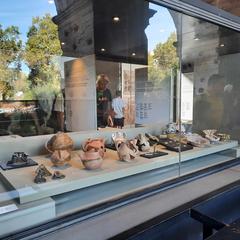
[75,75]
[209,91]
[111,97]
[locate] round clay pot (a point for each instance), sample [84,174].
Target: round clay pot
[60,147]
[91,160]
[60,141]
[96,144]
[60,157]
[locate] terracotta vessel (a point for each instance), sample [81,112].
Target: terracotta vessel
[127,151]
[60,157]
[97,145]
[93,153]
[91,160]
[60,147]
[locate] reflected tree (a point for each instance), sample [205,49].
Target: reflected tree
[10,60]
[163,61]
[42,44]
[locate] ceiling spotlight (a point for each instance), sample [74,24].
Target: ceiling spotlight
[222,45]
[50,1]
[134,54]
[62,43]
[116,19]
[103,50]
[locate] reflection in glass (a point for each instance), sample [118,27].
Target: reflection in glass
[228,6]
[210,77]
[50,72]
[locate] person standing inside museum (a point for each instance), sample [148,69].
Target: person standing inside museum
[104,99]
[118,106]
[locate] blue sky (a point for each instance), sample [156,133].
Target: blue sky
[161,26]
[20,13]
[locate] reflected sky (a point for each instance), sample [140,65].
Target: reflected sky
[160,28]
[20,13]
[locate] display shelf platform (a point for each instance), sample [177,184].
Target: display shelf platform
[77,177]
[26,215]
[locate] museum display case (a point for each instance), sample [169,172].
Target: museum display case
[97,102]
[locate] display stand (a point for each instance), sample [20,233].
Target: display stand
[26,215]
[77,177]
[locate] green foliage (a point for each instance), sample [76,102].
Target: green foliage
[165,54]
[163,62]
[10,44]
[10,59]
[42,44]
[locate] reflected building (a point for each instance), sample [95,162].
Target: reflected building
[113,33]
[112,30]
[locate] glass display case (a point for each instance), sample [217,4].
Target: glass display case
[97,102]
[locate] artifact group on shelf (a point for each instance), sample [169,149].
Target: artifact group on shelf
[173,137]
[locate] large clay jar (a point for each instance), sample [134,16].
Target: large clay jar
[91,160]
[60,147]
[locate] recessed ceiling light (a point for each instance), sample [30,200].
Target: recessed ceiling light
[134,54]
[50,1]
[103,50]
[62,43]
[196,38]
[116,19]
[222,45]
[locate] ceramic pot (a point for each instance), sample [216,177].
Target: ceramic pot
[127,151]
[60,147]
[91,160]
[60,157]
[96,145]
[60,141]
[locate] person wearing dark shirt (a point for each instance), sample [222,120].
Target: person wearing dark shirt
[104,99]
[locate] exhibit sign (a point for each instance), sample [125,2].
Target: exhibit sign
[80,91]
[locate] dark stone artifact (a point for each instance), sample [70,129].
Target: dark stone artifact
[58,175]
[174,145]
[41,174]
[18,160]
[153,154]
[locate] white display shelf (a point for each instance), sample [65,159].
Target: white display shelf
[26,215]
[77,177]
